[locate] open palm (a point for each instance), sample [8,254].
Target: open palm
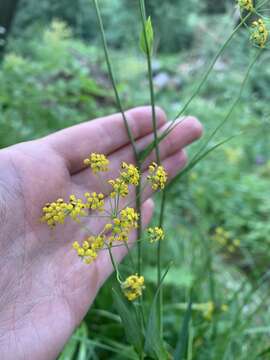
[45,290]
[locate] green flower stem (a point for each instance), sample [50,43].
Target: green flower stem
[118,101]
[156,147]
[118,277]
[222,123]
[207,73]
[205,77]
[130,256]
[109,66]
[150,79]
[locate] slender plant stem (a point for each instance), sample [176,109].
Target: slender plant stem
[212,64]
[131,138]
[222,123]
[114,266]
[110,70]
[156,147]
[203,80]
[150,79]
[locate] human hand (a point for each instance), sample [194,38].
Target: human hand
[45,291]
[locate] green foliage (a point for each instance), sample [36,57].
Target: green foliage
[53,81]
[81,18]
[50,88]
[174,22]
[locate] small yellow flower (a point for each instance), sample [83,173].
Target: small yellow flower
[94,201]
[55,212]
[122,225]
[157,176]
[208,310]
[231,249]
[221,236]
[89,250]
[224,307]
[97,162]
[119,188]
[130,174]
[76,208]
[155,234]
[259,34]
[236,242]
[133,286]
[246,5]
[129,218]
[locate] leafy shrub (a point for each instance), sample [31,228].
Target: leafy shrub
[49,89]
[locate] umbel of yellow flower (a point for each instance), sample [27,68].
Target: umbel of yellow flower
[97,162]
[120,188]
[94,201]
[157,176]
[88,251]
[208,310]
[133,286]
[130,174]
[123,224]
[155,234]
[259,33]
[56,212]
[246,5]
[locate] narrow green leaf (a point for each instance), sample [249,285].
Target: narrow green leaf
[147,37]
[83,349]
[130,320]
[75,344]
[154,345]
[182,343]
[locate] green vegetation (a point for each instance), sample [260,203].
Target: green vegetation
[57,77]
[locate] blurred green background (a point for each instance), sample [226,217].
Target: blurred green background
[52,75]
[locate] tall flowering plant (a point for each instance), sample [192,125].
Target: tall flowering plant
[119,213]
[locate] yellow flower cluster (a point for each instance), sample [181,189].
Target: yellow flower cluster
[130,174]
[155,234]
[209,308]
[246,5]
[88,251]
[120,188]
[94,201]
[97,162]
[133,286]
[122,225]
[77,208]
[157,176]
[259,33]
[56,212]
[223,238]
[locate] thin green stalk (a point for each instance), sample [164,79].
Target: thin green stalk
[118,101]
[114,266]
[139,229]
[150,79]
[109,66]
[203,80]
[221,124]
[156,147]
[206,75]
[159,262]
[130,256]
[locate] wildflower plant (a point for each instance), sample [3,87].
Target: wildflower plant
[121,216]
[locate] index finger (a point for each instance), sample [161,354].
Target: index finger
[104,135]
